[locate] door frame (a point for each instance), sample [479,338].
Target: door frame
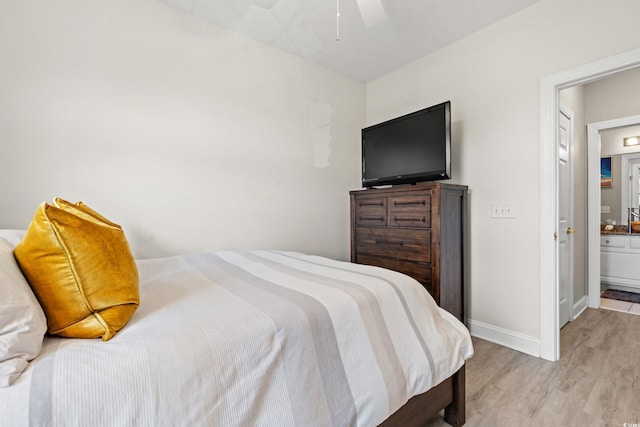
[593,201]
[549,104]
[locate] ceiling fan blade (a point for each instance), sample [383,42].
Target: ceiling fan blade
[372,11]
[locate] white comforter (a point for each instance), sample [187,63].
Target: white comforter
[258,338]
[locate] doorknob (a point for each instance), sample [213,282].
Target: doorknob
[570,230]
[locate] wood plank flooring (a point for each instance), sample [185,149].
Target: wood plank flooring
[595,383]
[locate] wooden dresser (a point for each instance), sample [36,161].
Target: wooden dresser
[418,230]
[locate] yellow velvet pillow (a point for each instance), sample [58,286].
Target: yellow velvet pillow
[80,267]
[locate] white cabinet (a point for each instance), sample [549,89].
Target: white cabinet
[613,241]
[620,261]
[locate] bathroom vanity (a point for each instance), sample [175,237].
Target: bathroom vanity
[620,261]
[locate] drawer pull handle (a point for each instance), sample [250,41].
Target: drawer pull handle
[397,203]
[371,218]
[389,242]
[396,219]
[371,204]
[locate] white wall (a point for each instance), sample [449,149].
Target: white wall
[613,98]
[492,79]
[192,137]
[612,140]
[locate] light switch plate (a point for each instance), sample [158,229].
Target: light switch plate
[502,210]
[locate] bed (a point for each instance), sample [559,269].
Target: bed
[255,338]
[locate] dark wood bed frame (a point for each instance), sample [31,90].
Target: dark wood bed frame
[448,395]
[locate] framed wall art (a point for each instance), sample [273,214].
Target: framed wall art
[606,178]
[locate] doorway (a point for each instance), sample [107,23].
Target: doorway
[549,107]
[593,203]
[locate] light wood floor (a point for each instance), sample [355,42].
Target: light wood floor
[595,383]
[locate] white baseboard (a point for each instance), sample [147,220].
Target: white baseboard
[579,307]
[513,340]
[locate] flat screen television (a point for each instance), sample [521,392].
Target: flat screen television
[408,149]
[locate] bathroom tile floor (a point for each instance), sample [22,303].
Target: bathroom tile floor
[627,307]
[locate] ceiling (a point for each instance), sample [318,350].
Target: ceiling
[375,36]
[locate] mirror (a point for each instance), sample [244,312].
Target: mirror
[622,191]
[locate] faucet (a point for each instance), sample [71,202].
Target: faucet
[633,213]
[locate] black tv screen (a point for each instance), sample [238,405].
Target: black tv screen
[409,149]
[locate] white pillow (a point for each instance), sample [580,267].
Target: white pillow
[22,321]
[13,236]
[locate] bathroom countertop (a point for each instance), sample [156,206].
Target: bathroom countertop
[620,230]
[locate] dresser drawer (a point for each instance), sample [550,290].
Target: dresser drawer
[410,211]
[371,211]
[410,245]
[420,272]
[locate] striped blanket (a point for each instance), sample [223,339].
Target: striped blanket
[255,338]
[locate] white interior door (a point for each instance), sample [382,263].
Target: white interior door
[565,216]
